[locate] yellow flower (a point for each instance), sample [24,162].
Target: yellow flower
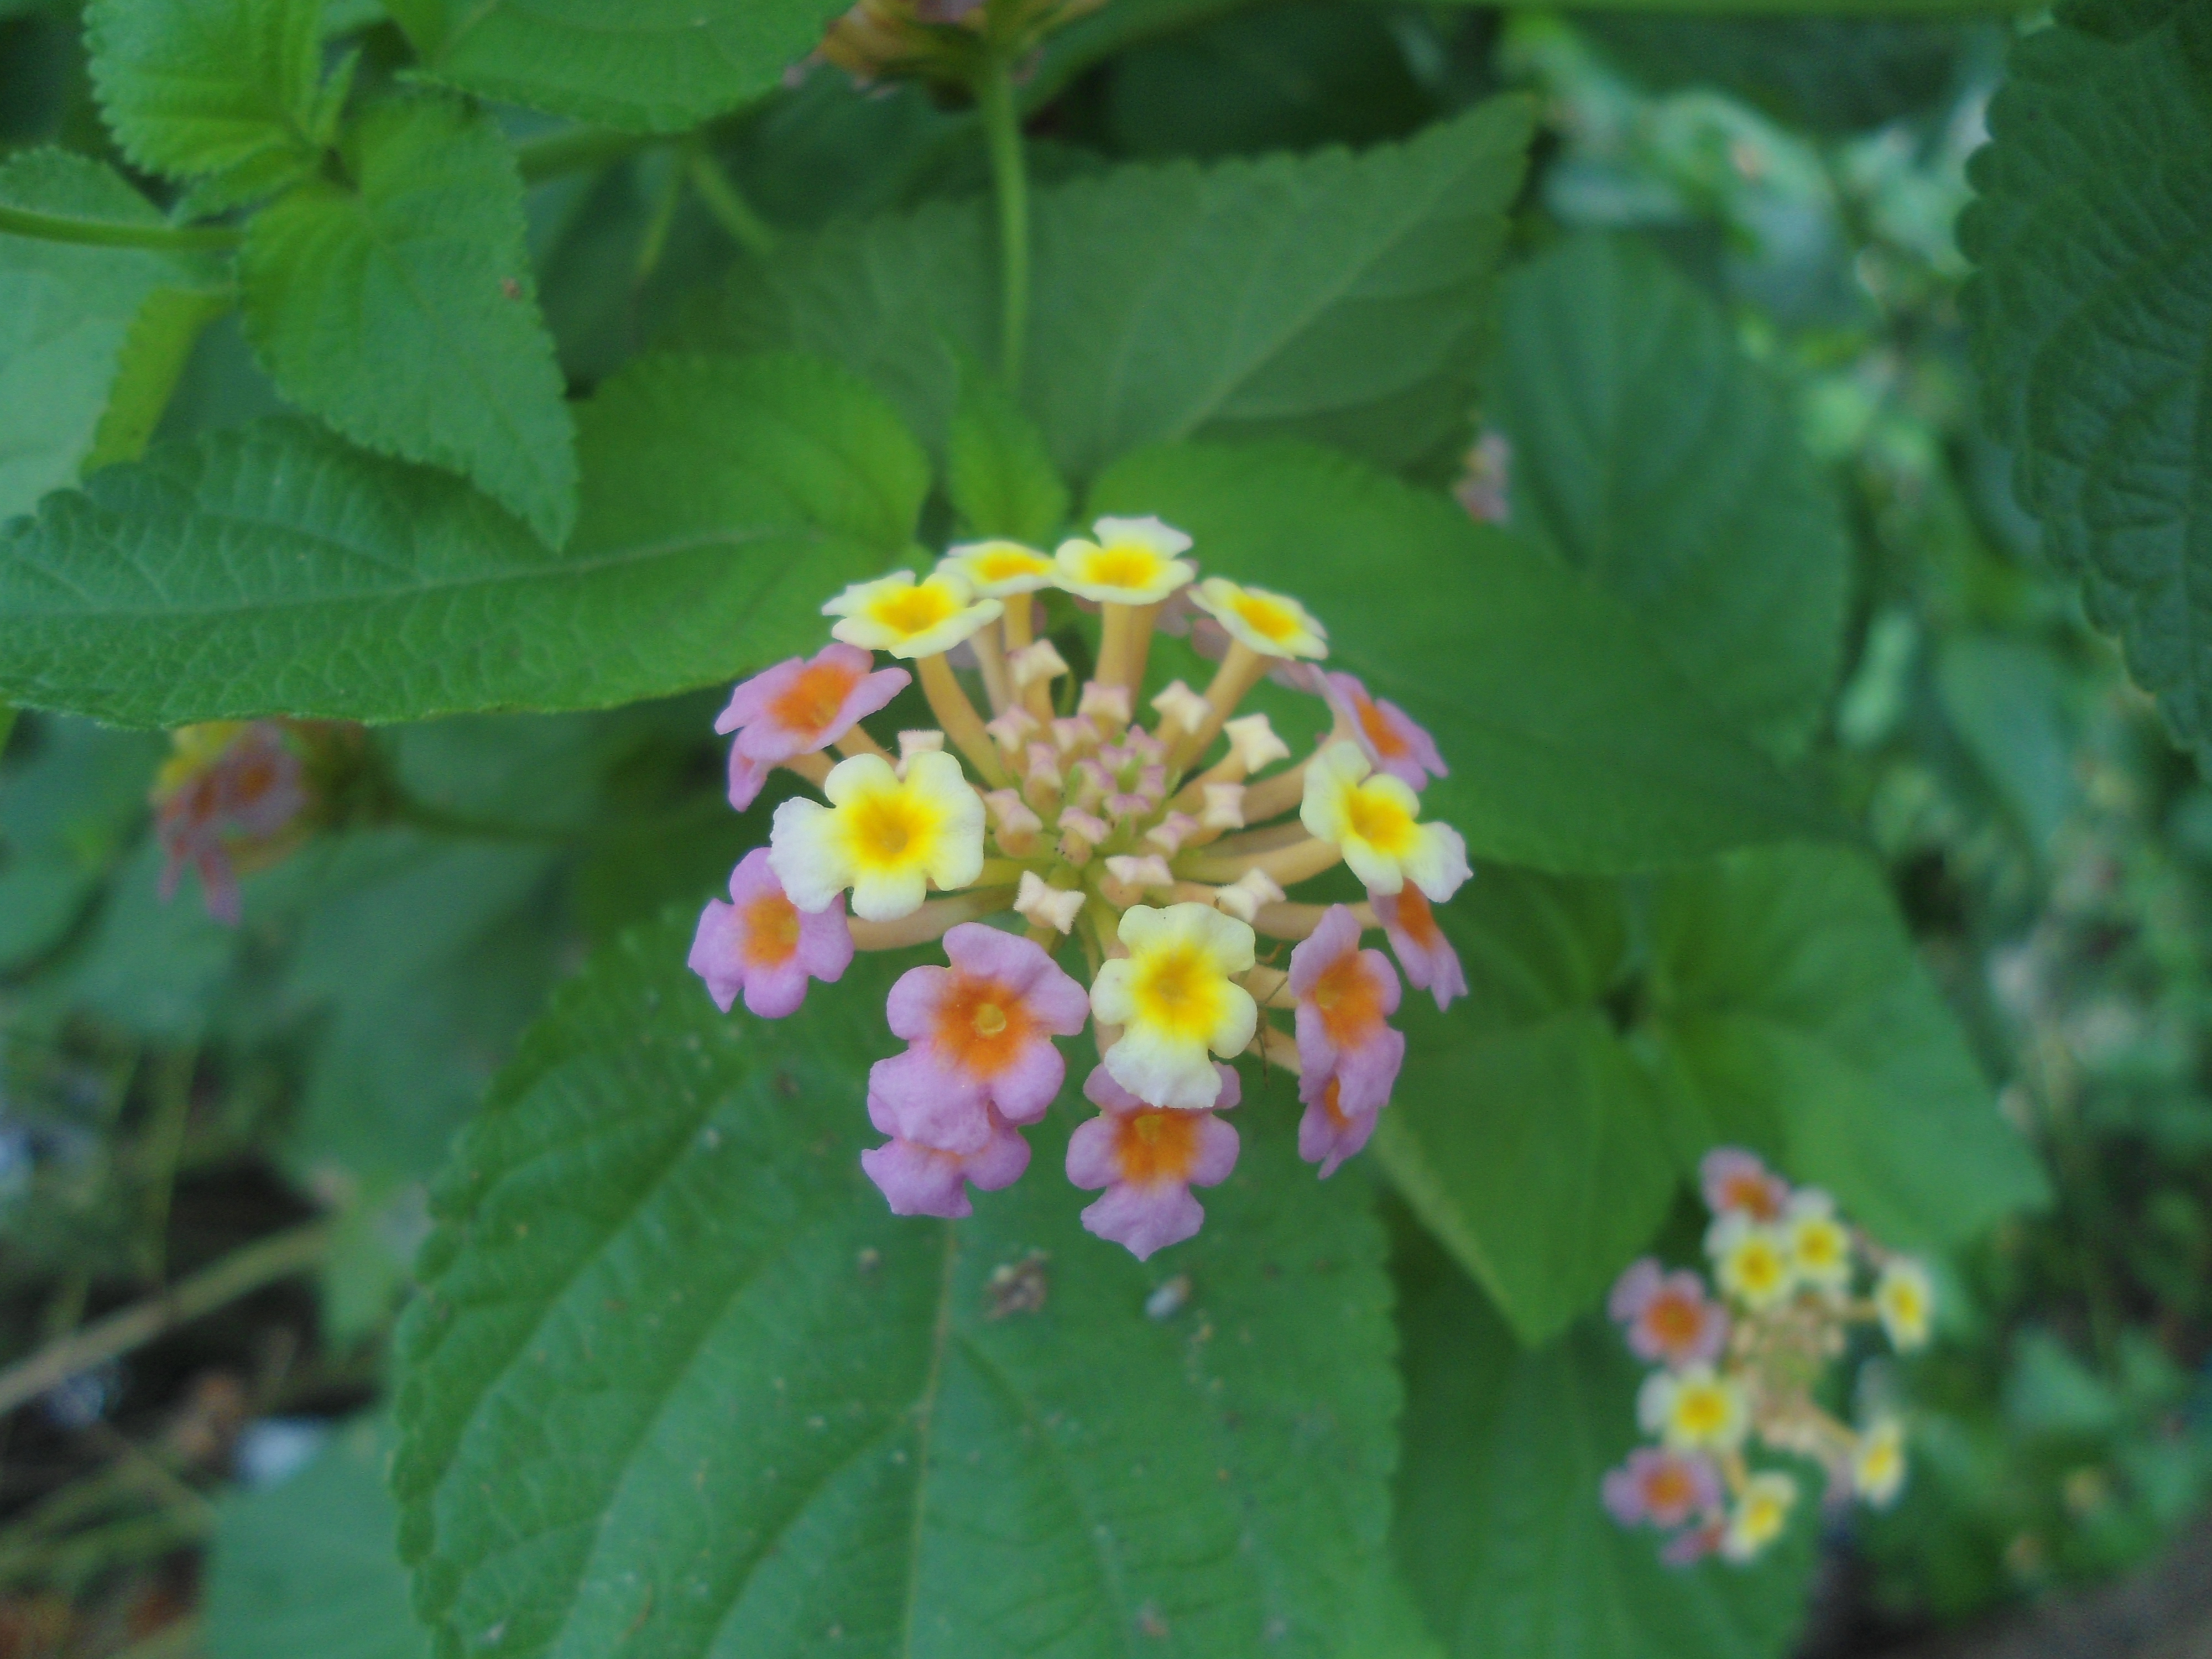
[1273,625]
[884,836]
[1762,1510]
[1376,820]
[1173,999]
[1751,1261]
[1820,1246]
[897,614]
[999,569]
[1132,562]
[1904,1298]
[1693,1409]
[1878,1462]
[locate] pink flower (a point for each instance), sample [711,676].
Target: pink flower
[1346,996]
[1737,1183]
[1423,952]
[918,1179]
[1148,1158]
[1670,1318]
[766,946]
[230,788]
[1662,1488]
[1328,1133]
[797,708]
[1387,732]
[981,1033]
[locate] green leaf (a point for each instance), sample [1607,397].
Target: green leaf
[271,568]
[2089,315]
[1804,1024]
[1499,1528]
[1653,455]
[169,324]
[1573,745]
[398,307]
[68,809]
[215,89]
[1330,296]
[677,1379]
[1525,1132]
[651,66]
[82,329]
[997,470]
[307,1566]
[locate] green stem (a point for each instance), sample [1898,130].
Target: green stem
[731,211]
[581,149]
[106,233]
[1002,128]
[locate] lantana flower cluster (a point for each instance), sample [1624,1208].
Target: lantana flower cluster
[1739,1369]
[1150,840]
[233,796]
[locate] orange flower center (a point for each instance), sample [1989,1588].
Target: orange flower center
[1669,1488]
[1415,920]
[1350,1000]
[1380,732]
[1674,1320]
[1750,1193]
[812,699]
[982,1024]
[771,931]
[1157,1145]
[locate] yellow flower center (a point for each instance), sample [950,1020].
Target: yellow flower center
[1268,618]
[1007,563]
[1758,1266]
[1700,1411]
[1377,819]
[913,610]
[889,829]
[1124,565]
[1179,990]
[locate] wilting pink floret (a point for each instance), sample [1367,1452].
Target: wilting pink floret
[1387,732]
[981,1033]
[918,1179]
[762,944]
[1661,1488]
[1669,1318]
[1328,1133]
[1148,1158]
[1737,1183]
[250,793]
[797,708]
[1346,996]
[1423,952]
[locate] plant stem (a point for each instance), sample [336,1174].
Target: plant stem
[578,150]
[1002,129]
[165,1142]
[731,211]
[240,1274]
[106,233]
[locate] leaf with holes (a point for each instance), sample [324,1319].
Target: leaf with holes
[678,1383]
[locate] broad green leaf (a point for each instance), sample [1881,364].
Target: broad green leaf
[1828,74]
[307,1566]
[1653,455]
[68,809]
[271,568]
[168,326]
[1803,1024]
[216,89]
[677,1384]
[998,472]
[2089,315]
[1573,745]
[646,65]
[1525,1132]
[1328,296]
[397,304]
[1499,1528]
[81,329]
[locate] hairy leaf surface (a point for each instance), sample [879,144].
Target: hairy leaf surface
[271,568]
[680,1384]
[2090,314]
[398,308]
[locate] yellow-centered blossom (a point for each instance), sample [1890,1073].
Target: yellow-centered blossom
[1819,1245]
[1273,625]
[1376,820]
[1878,1462]
[1762,1510]
[886,837]
[910,618]
[998,569]
[1693,1409]
[1173,1000]
[1752,1261]
[1904,1298]
[1132,562]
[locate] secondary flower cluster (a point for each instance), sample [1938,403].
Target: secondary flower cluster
[1161,853]
[233,796]
[1793,1277]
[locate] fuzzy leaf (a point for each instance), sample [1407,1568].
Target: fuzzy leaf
[2089,317]
[677,1376]
[399,308]
[271,568]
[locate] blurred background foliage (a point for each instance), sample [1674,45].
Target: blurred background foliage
[171,1089]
